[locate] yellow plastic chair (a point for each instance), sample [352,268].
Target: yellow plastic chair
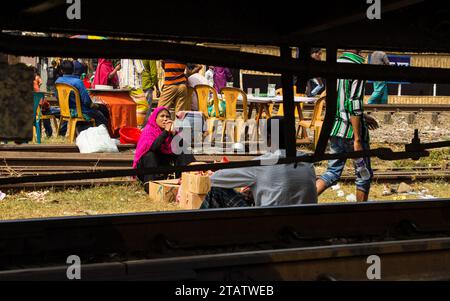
[231,95]
[280,111]
[315,120]
[204,92]
[44,117]
[64,91]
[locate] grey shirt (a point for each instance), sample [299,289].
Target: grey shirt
[379,58]
[272,185]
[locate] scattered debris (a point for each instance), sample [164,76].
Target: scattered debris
[427,196]
[388,190]
[341,193]
[351,198]
[88,212]
[2,196]
[38,196]
[336,187]
[424,191]
[404,188]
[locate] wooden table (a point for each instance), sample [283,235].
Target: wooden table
[121,107]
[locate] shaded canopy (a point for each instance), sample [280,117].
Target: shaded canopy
[412,24]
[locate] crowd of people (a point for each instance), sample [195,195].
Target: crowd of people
[270,185]
[285,184]
[140,76]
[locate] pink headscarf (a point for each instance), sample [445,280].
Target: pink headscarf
[149,135]
[104,68]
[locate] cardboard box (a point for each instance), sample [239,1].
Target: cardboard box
[194,201]
[189,200]
[197,184]
[164,190]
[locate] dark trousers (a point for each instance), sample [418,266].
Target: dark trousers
[47,125]
[152,159]
[224,198]
[100,115]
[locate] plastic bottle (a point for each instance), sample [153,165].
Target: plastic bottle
[361,169]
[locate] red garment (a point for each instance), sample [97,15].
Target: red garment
[86,83]
[104,68]
[37,83]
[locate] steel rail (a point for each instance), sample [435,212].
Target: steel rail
[382,153]
[421,259]
[109,238]
[378,177]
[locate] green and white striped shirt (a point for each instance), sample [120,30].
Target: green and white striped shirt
[350,96]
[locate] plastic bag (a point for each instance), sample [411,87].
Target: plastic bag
[96,140]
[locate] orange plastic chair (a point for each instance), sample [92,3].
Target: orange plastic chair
[64,91]
[204,93]
[231,95]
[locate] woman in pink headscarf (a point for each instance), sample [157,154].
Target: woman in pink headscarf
[154,146]
[106,74]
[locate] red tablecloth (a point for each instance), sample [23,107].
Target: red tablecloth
[121,107]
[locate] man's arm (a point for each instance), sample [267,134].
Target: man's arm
[193,71]
[114,72]
[84,95]
[356,124]
[319,87]
[355,109]
[233,178]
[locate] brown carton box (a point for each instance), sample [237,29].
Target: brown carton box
[189,200]
[164,190]
[197,184]
[183,198]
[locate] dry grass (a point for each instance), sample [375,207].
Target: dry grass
[75,202]
[131,198]
[437,189]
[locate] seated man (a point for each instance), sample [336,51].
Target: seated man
[270,185]
[89,109]
[46,109]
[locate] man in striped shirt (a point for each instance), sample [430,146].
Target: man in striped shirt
[175,85]
[350,129]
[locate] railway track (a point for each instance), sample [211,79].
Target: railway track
[398,108]
[408,108]
[14,164]
[53,148]
[382,177]
[329,242]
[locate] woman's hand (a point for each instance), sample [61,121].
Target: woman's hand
[168,126]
